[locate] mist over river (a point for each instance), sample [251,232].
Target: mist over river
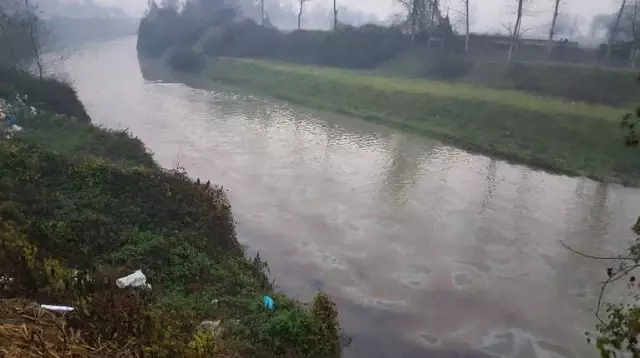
[429,251]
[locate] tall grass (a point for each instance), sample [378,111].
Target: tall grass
[553,134]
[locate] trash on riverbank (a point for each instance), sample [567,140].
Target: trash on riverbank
[11,131]
[8,124]
[136,279]
[57,308]
[27,330]
[11,121]
[269,303]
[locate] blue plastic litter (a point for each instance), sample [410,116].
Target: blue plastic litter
[269,303]
[11,120]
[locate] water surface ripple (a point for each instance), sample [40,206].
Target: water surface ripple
[428,250]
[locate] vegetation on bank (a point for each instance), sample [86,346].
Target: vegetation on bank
[614,87]
[576,139]
[48,93]
[81,206]
[385,50]
[543,132]
[368,79]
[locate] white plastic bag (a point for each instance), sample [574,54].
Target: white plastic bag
[13,129]
[136,279]
[57,308]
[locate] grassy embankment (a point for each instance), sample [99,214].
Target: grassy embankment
[552,134]
[81,206]
[581,83]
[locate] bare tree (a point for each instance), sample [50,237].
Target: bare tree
[9,29]
[628,29]
[464,20]
[412,11]
[614,30]
[552,29]
[23,37]
[415,18]
[335,14]
[35,32]
[407,5]
[422,15]
[262,18]
[568,25]
[633,54]
[515,31]
[301,3]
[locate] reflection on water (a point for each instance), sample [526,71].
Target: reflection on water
[428,250]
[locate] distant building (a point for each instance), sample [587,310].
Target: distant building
[506,41]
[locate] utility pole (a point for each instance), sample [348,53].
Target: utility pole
[466,22]
[335,14]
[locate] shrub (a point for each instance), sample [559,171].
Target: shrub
[80,207]
[50,93]
[69,228]
[325,315]
[187,61]
[606,86]
[363,47]
[157,32]
[348,47]
[446,67]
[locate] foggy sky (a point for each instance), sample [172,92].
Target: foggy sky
[488,15]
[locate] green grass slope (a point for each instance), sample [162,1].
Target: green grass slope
[81,206]
[552,134]
[576,82]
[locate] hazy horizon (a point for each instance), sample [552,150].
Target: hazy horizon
[488,16]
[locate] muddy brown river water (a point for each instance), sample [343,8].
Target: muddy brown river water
[428,250]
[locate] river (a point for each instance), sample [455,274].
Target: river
[429,251]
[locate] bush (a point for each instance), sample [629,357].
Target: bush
[605,86]
[363,47]
[71,223]
[327,325]
[69,228]
[187,61]
[349,47]
[49,94]
[446,67]
[157,34]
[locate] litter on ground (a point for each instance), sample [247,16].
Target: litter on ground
[57,308]
[136,279]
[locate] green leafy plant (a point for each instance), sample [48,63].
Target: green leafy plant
[85,206]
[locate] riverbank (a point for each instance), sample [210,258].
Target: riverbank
[552,134]
[573,82]
[81,206]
